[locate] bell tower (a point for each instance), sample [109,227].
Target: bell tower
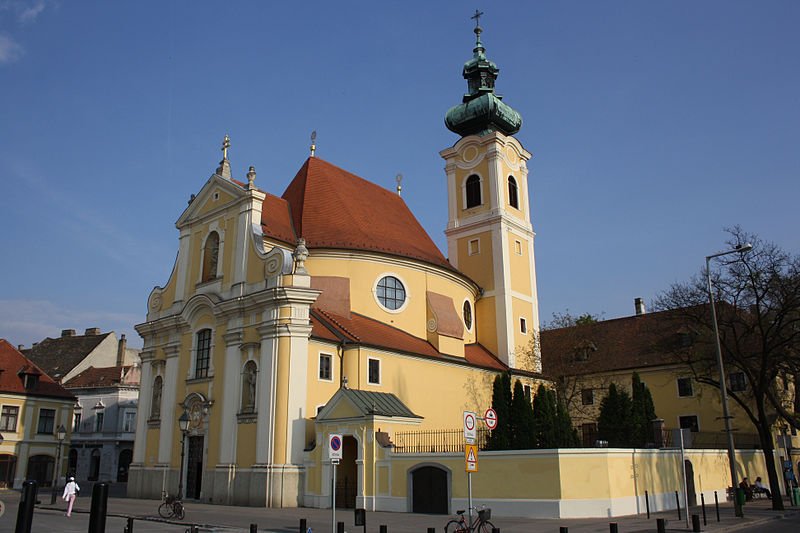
[489,232]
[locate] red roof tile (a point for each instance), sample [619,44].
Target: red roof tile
[359,329]
[275,219]
[97,377]
[12,362]
[332,208]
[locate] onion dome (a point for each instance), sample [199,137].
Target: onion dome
[482,111]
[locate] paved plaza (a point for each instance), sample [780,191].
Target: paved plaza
[758,517]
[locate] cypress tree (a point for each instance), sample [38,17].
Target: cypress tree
[643,412]
[615,423]
[544,416]
[500,438]
[521,419]
[566,435]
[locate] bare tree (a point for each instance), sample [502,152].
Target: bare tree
[758,304]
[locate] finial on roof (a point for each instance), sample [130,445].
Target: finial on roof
[251,177]
[478,30]
[300,255]
[313,142]
[224,168]
[399,180]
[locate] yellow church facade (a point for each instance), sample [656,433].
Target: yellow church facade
[329,309]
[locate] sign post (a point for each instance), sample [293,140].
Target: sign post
[335,455]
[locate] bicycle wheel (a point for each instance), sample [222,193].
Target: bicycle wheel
[178,510]
[165,510]
[454,526]
[486,527]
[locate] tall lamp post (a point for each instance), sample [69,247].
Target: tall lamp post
[183,424]
[61,434]
[739,249]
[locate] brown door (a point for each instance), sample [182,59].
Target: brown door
[194,468]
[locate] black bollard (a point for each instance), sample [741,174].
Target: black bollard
[495,530]
[384,529]
[303,526]
[661,525]
[647,504]
[613,527]
[25,511]
[339,527]
[678,502]
[129,525]
[716,504]
[695,523]
[431,530]
[563,529]
[703,506]
[99,510]
[253,528]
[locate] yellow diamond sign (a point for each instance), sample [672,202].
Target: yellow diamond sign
[471,457]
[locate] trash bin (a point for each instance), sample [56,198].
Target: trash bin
[741,497]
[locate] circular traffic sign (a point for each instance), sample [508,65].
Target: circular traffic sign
[336,443]
[490,417]
[469,421]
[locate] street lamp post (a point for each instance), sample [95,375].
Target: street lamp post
[61,433]
[740,249]
[183,424]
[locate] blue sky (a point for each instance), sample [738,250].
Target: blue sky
[653,126]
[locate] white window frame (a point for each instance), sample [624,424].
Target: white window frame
[464,191]
[697,417]
[129,414]
[380,371]
[477,250]
[16,418]
[405,287]
[517,246]
[472,314]
[319,367]
[678,387]
[193,359]
[523,325]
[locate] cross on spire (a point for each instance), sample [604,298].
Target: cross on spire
[477,17]
[226,143]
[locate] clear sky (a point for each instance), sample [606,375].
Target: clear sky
[653,126]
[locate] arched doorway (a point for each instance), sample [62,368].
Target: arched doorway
[347,474]
[40,469]
[94,465]
[691,495]
[125,458]
[429,492]
[8,467]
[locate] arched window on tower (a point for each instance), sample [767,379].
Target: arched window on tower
[210,256]
[473,191]
[513,193]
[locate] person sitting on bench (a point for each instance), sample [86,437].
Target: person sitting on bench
[747,488]
[761,488]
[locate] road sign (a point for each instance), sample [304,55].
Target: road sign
[469,427]
[490,417]
[335,447]
[471,457]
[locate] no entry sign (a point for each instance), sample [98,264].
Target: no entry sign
[490,417]
[469,427]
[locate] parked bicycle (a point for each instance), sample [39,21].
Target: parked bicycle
[171,507]
[480,524]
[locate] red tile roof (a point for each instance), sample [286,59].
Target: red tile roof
[13,363]
[332,208]
[359,329]
[97,377]
[60,355]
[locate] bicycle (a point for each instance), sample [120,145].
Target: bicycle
[480,524]
[172,506]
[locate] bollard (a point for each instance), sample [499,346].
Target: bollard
[678,502]
[25,511]
[647,504]
[431,530]
[613,527]
[716,504]
[253,528]
[99,509]
[703,506]
[384,529]
[129,526]
[695,523]
[495,530]
[661,525]
[339,527]
[563,529]
[302,525]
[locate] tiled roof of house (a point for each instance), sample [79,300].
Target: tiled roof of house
[58,356]
[332,208]
[639,341]
[97,377]
[359,329]
[12,367]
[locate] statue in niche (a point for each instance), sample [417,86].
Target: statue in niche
[155,409]
[249,387]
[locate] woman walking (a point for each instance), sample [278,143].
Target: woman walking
[71,490]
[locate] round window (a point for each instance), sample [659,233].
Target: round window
[391,293]
[468,314]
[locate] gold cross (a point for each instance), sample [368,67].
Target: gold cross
[226,143]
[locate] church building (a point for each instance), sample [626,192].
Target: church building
[328,309]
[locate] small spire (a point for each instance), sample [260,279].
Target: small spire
[313,142]
[224,168]
[399,180]
[251,177]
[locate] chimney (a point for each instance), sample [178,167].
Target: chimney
[67,332]
[20,347]
[122,347]
[638,303]
[92,331]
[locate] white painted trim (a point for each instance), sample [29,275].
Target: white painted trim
[477,247]
[319,368]
[471,313]
[380,370]
[405,289]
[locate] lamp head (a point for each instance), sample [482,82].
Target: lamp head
[61,432]
[742,248]
[183,421]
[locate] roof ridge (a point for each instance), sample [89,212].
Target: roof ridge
[335,322]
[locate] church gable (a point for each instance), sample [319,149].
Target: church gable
[216,195]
